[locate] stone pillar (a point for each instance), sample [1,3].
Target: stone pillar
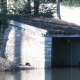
[48,45]
[44,52]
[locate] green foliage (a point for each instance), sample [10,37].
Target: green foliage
[3,24]
[3,10]
[47,9]
[19,7]
[23,7]
[75,3]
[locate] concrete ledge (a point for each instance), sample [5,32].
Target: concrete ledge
[25,67]
[32,29]
[64,35]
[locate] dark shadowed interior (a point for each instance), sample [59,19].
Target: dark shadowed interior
[65,52]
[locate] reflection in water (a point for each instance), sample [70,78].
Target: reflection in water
[6,76]
[32,75]
[43,74]
[37,74]
[66,74]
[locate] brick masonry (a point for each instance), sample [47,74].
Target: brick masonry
[27,45]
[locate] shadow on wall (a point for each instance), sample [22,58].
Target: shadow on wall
[37,74]
[12,45]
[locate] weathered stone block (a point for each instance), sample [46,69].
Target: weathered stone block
[49,42]
[47,63]
[47,46]
[48,38]
[38,38]
[48,49]
[48,56]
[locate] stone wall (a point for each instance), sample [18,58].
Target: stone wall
[27,44]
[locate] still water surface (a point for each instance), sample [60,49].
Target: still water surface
[43,74]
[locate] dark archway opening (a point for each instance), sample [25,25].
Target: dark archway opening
[65,52]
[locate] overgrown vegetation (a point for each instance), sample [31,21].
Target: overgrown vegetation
[3,24]
[21,7]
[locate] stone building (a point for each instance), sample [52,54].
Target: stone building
[42,43]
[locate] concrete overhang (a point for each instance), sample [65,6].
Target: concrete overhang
[63,35]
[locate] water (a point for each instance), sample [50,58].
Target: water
[41,74]
[66,74]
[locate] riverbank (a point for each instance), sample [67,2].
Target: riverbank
[6,65]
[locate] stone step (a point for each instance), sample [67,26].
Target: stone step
[24,67]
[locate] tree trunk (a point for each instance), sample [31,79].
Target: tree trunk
[36,6]
[58,9]
[28,7]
